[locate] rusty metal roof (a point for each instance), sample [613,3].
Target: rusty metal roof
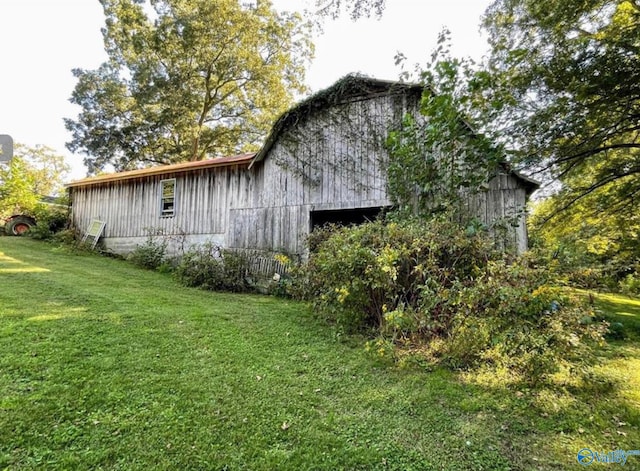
[164,170]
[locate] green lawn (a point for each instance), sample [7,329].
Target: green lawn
[105,366]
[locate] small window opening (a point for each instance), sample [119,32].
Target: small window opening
[167,197]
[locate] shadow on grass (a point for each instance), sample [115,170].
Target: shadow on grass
[622,312]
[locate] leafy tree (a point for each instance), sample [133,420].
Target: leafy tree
[16,188]
[48,169]
[33,172]
[564,90]
[355,8]
[588,235]
[438,160]
[185,80]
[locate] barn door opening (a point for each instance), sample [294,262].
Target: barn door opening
[345,217]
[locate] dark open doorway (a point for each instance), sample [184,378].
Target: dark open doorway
[345,217]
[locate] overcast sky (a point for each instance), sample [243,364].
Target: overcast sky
[42,40]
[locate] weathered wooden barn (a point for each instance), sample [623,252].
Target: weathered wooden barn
[323,161]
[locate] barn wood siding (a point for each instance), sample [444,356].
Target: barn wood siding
[131,208]
[336,159]
[333,159]
[501,208]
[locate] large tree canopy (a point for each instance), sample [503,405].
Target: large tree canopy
[186,80]
[565,81]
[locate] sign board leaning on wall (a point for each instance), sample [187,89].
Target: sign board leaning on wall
[93,232]
[6,148]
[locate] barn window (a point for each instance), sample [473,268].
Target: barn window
[167,197]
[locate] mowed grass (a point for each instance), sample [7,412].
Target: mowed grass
[105,366]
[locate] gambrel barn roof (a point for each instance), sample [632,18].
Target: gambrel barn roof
[349,89]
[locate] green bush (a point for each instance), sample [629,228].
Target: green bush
[359,275]
[437,288]
[152,254]
[49,221]
[68,237]
[630,285]
[512,319]
[209,267]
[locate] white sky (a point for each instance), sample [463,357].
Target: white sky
[42,40]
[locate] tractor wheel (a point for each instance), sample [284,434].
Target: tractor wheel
[19,225]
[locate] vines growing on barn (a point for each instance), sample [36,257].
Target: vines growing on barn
[436,159]
[344,116]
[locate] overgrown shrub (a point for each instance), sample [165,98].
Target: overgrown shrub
[69,237]
[511,318]
[152,254]
[630,285]
[236,271]
[437,288]
[49,221]
[209,267]
[360,276]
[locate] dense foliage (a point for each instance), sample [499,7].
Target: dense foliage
[186,80]
[563,82]
[437,160]
[432,287]
[50,220]
[586,245]
[33,172]
[16,188]
[559,96]
[212,268]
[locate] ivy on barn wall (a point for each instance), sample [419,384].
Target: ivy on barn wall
[347,120]
[432,160]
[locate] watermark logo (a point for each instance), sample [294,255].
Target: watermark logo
[587,457]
